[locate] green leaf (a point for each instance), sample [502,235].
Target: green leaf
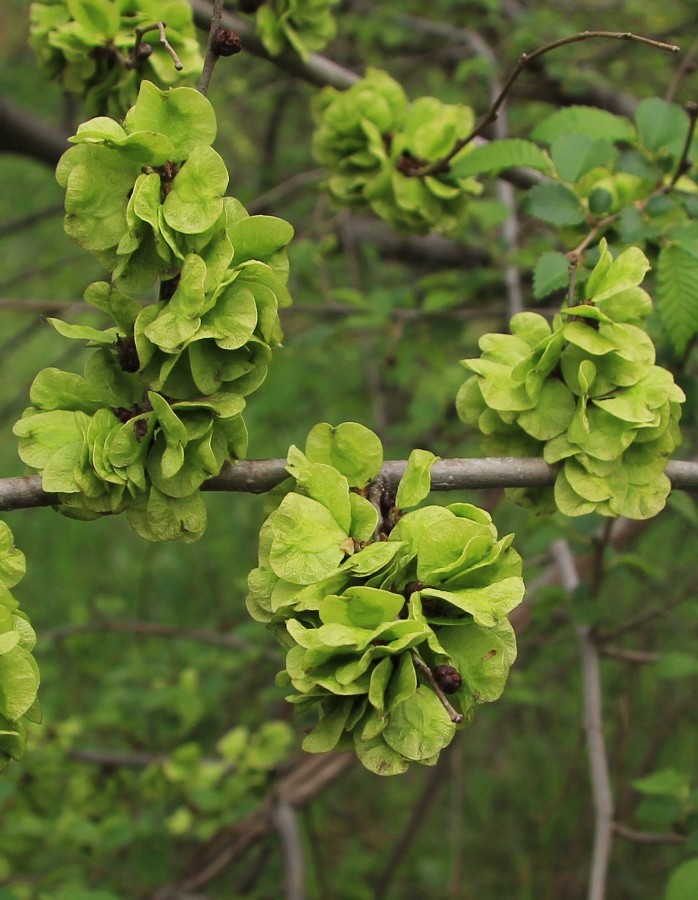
[196,200]
[672,666]
[682,881]
[352,449]
[482,656]
[576,154]
[183,114]
[492,158]
[661,125]
[105,338]
[551,273]
[555,204]
[420,727]
[96,17]
[379,758]
[415,484]
[664,783]
[307,541]
[327,732]
[588,120]
[19,682]
[677,296]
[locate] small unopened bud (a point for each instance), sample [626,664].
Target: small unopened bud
[143,51]
[447,678]
[226,42]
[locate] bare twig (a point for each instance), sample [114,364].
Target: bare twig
[442,164]
[160,28]
[647,837]
[428,676]
[643,618]
[307,779]
[593,729]
[687,64]
[14,226]
[572,269]
[286,825]
[257,476]
[216,13]
[504,189]
[591,236]
[640,657]
[683,165]
[157,629]
[115,759]
[418,818]
[315,69]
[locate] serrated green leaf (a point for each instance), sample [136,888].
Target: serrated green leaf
[555,204]
[576,154]
[551,273]
[661,125]
[498,155]
[587,120]
[677,295]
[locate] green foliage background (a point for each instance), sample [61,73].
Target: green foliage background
[509,814]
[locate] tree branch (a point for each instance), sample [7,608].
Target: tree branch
[316,69]
[286,825]
[593,729]
[215,14]
[23,133]
[647,837]
[308,778]
[157,629]
[257,476]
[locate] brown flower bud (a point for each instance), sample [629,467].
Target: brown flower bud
[143,51]
[226,42]
[447,678]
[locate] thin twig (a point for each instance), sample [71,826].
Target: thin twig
[647,837]
[640,657]
[307,779]
[14,226]
[643,618]
[505,190]
[572,270]
[159,27]
[428,676]
[593,729]
[117,759]
[211,53]
[286,825]
[418,818]
[591,236]
[157,629]
[684,163]
[686,65]
[442,164]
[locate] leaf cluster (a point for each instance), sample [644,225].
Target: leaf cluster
[373,142]
[301,25]
[159,407]
[89,47]
[584,392]
[19,673]
[363,595]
